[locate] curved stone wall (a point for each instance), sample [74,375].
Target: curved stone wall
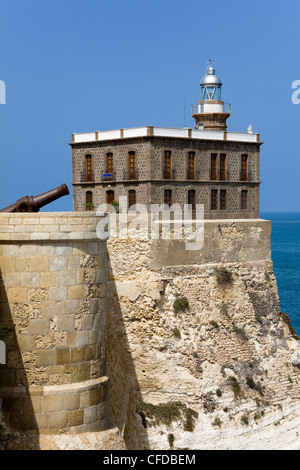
[53,323]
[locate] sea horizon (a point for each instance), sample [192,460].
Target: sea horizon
[285,252]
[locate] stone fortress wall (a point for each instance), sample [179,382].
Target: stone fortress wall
[226,368]
[89,331]
[53,323]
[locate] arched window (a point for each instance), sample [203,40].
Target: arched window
[214,200]
[191,166]
[223,166]
[213,166]
[167,164]
[244,199]
[223,199]
[131,165]
[89,200]
[168,197]
[88,168]
[131,197]
[244,167]
[110,196]
[109,163]
[192,198]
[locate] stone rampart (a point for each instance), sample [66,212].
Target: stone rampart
[90,330]
[53,323]
[226,366]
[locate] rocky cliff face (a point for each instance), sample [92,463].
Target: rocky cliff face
[213,360]
[196,351]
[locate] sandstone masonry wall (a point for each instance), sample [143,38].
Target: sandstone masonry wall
[226,368]
[53,323]
[94,348]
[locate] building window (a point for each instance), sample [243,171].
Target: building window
[214,200]
[191,166]
[222,166]
[109,163]
[223,199]
[131,164]
[213,166]
[131,197]
[168,197]
[244,167]
[192,198]
[244,199]
[88,168]
[110,196]
[89,200]
[167,165]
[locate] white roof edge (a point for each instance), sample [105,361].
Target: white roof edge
[164,132]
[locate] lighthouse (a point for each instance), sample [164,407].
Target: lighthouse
[211,113]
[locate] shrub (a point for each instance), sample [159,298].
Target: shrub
[166,413]
[235,386]
[116,205]
[176,333]
[254,386]
[257,416]
[217,422]
[218,393]
[240,332]
[223,276]
[258,318]
[180,304]
[89,206]
[245,419]
[214,323]
[171,440]
[250,382]
[287,321]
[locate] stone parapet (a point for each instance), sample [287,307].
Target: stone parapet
[47,226]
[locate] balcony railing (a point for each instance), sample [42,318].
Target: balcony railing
[197,108]
[131,175]
[87,177]
[108,175]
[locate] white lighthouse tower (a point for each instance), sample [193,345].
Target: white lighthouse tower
[210,113]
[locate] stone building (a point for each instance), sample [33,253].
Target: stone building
[152,165]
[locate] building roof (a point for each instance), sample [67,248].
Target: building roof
[150,131]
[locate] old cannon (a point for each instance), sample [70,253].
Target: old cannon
[34,203]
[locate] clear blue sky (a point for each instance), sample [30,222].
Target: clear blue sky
[79,66]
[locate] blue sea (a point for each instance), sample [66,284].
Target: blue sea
[285,245]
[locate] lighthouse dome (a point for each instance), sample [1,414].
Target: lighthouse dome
[210,78]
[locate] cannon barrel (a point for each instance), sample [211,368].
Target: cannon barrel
[34,203]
